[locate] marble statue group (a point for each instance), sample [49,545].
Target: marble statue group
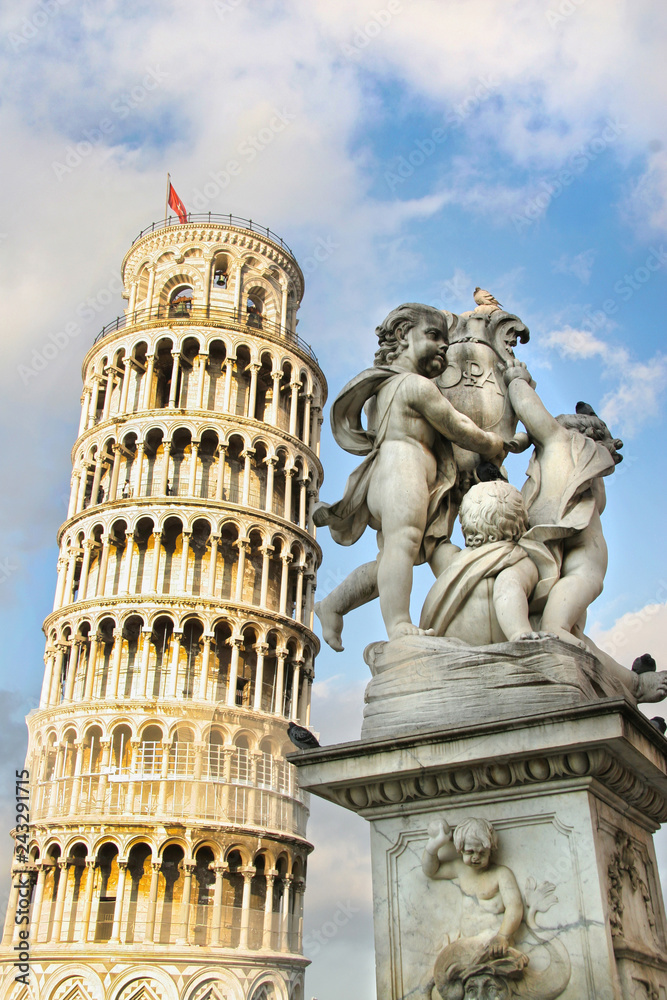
[434,419]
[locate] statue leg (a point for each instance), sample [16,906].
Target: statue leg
[581,581]
[360,587]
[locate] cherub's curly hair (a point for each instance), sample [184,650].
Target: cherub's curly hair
[480,829]
[399,319]
[493,512]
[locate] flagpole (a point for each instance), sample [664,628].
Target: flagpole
[166,202]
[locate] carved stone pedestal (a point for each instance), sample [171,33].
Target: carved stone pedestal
[574,797]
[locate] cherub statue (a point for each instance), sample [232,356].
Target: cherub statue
[482,961]
[565,496]
[485,594]
[402,487]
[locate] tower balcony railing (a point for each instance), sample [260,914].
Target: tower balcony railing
[210,218]
[196,315]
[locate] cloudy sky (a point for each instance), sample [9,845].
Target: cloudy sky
[406,150]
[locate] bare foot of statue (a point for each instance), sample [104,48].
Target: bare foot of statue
[651,687]
[561,633]
[407,628]
[332,625]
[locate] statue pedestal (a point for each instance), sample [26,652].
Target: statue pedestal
[574,795]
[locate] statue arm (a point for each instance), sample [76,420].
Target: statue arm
[455,426]
[511,897]
[530,409]
[439,857]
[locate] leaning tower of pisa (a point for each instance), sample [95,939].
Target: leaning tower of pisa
[167,853]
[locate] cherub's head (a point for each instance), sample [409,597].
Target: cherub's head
[475,840]
[418,331]
[587,422]
[492,512]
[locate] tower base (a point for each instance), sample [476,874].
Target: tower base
[574,795]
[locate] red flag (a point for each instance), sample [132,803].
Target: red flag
[177,205]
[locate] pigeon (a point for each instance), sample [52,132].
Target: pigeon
[484,298]
[644,664]
[585,410]
[487,472]
[659,724]
[301,737]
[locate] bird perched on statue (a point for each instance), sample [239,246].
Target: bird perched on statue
[301,737]
[659,724]
[485,301]
[644,664]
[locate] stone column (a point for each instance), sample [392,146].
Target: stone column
[285,559]
[176,358]
[83,482]
[284,914]
[235,642]
[185,553]
[306,420]
[296,676]
[212,565]
[133,782]
[63,866]
[90,668]
[172,681]
[303,503]
[127,372]
[126,570]
[104,560]
[115,472]
[85,403]
[78,765]
[152,902]
[118,908]
[299,891]
[252,395]
[74,492]
[105,756]
[115,662]
[275,401]
[164,478]
[261,648]
[242,545]
[60,585]
[138,467]
[189,868]
[283,309]
[295,388]
[164,771]
[69,578]
[132,301]
[12,902]
[245,906]
[203,674]
[246,455]
[304,700]
[267,929]
[111,382]
[202,381]
[37,900]
[85,569]
[192,479]
[145,655]
[196,778]
[281,656]
[149,292]
[54,692]
[271,464]
[266,551]
[157,536]
[219,870]
[88,900]
[220,471]
[229,364]
[308,601]
[146,396]
[49,663]
[298,609]
[287,511]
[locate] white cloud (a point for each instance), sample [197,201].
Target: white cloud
[580,265]
[640,385]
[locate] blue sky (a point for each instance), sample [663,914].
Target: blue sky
[430,146]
